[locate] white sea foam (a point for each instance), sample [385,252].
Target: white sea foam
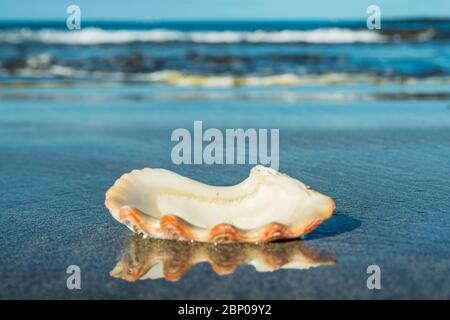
[45,66]
[181,79]
[90,36]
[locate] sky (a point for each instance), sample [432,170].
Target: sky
[154,10]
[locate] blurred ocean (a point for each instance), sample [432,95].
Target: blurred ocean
[227,54]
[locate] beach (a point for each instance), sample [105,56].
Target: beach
[363,116]
[384,162]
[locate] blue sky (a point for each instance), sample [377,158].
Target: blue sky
[220,9]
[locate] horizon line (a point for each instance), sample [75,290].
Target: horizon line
[391,18]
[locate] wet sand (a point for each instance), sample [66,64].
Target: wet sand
[386,164]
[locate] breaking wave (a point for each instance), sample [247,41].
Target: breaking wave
[91,36]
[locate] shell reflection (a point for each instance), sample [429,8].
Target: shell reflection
[172,260]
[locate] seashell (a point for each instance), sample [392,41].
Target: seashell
[266,206]
[172,260]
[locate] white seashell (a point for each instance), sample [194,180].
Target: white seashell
[266,206]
